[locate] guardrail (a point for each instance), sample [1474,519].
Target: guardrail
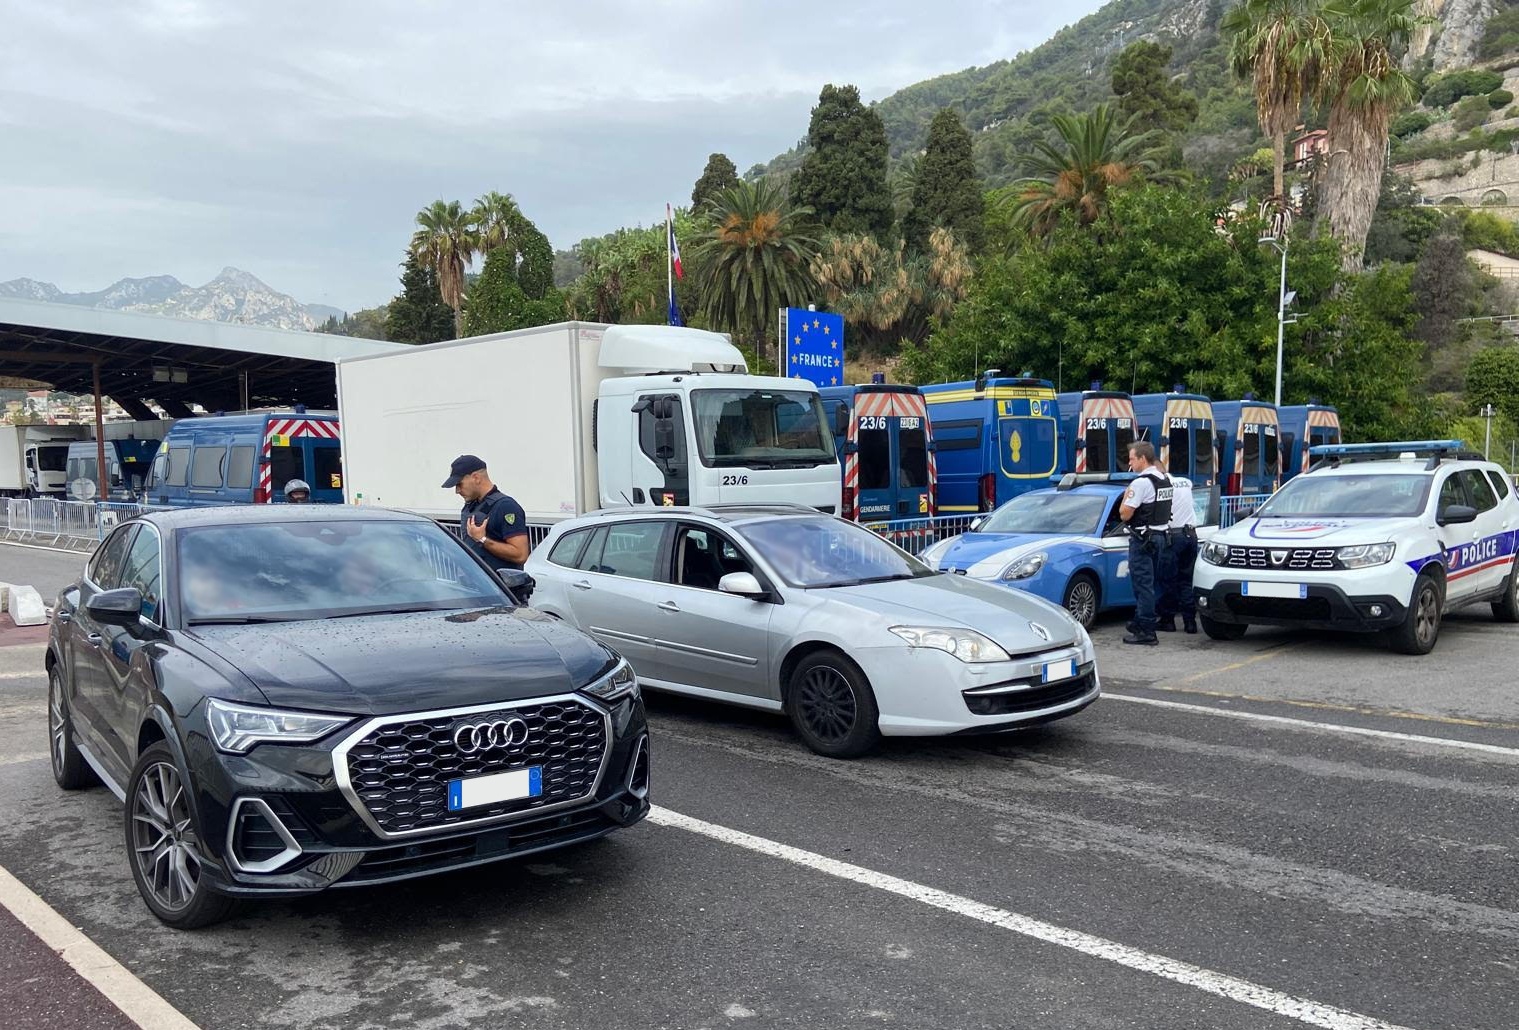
[1232,509]
[76,525]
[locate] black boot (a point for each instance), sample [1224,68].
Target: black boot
[1189,623]
[1141,638]
[1167,624]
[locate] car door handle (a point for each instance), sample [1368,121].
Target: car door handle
[581,585]
[94,639]
[669,606]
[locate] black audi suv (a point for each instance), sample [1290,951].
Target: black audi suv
[291,699]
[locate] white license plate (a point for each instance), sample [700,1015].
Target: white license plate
[493,789]
[1298,590]
[1053,671]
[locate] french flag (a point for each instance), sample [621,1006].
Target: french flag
[680,273]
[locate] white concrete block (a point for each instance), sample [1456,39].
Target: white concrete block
[25,606]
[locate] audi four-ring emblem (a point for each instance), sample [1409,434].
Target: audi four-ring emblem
[474,737]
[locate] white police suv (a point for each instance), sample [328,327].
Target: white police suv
[1380,537]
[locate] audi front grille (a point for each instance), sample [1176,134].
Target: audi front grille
[395,770]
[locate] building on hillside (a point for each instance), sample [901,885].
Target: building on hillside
[1307,147]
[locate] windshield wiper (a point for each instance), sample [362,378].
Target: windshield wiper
[407,610]
[237,620]
[870,579]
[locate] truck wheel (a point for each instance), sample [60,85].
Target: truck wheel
[832,706]
[1421,624]
[1221,630]
[1506,608]
[1082,599]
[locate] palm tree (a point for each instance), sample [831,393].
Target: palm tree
[445,241]
[1095,154]
[757,259]
[1278,45]
[1364,88]
[495,217]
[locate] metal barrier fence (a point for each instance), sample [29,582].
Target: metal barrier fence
[76,525]
[915,535]
[1232,509]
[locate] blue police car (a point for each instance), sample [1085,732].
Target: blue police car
[1066,544]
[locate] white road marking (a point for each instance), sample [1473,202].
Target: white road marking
[33,674]
[1330,727]
[136,1000]
[1220,984]
[25,756]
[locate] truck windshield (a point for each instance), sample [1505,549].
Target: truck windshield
[52,459]
[761,429]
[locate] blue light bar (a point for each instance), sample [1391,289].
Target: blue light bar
[1342,450]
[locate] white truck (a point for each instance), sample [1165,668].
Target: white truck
[34,459]
[578,416]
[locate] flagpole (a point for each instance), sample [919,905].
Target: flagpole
[669,260]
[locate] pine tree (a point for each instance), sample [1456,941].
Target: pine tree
[1146,93]
[946,190]
[720,174]
[419,315]
[843,177]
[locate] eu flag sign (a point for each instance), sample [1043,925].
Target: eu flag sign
[814,346]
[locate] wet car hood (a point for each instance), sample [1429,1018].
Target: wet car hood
[1006,616]
[383,664]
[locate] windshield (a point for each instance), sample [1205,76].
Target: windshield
[313,570]
[1321,496]
[761,429]
[1056,512]
[52,459]
[827,552]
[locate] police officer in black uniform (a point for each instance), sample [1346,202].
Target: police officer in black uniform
[1146,507]
[495,526]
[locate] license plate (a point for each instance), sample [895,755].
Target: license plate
[493,789]
[1298,590]
[1053,671]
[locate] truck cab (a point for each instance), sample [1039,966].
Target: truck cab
[994,438]
[1180,425]
[247,458]
[47,463]
[882,433]
[1305,426]
[1096,428]
[1248,433]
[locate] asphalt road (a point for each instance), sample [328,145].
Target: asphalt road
[1197,840]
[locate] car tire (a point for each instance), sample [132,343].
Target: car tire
[832,706]
[1420,628]
[163,845]
[1221,630]
[1506,608]
[70,770]
[1082,599]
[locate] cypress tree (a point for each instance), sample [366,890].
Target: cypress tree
[419,315]
[946,191]
[843,176]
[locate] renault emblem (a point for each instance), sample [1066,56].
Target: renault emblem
[1039,631]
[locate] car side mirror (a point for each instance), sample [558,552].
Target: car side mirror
[519,583]
[1457,514]
[975,523]
[120,607]
[744,584]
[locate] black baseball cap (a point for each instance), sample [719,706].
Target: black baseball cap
[463,465]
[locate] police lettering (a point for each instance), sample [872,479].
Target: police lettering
[1474,554]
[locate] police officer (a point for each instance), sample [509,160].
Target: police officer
[495,526]
[1146,507]
[297,492]
[1175,593]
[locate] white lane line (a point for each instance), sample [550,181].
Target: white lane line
[136,1000]
[33,674]
[1330,727]
[25,756]
[1224,986]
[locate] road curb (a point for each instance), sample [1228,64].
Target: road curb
[136,1000]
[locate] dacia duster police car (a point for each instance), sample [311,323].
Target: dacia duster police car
[1375,538]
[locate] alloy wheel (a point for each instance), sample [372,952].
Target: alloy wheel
[1082,602]
[57,725]
[1428,618]
[164,844]
[827,704]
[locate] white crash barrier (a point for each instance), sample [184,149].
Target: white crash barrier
[25,606]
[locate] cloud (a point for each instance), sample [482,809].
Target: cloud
[299,140]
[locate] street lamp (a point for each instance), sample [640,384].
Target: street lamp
[1283,299]
[1487,412]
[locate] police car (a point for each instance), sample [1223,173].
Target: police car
[1374,538]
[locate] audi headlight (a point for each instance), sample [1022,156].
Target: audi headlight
[621,682]
[1214,554]
[1363,556]
[965,644]
[1026,567]
[237,729]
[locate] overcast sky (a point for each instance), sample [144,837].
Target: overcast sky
[298,140]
